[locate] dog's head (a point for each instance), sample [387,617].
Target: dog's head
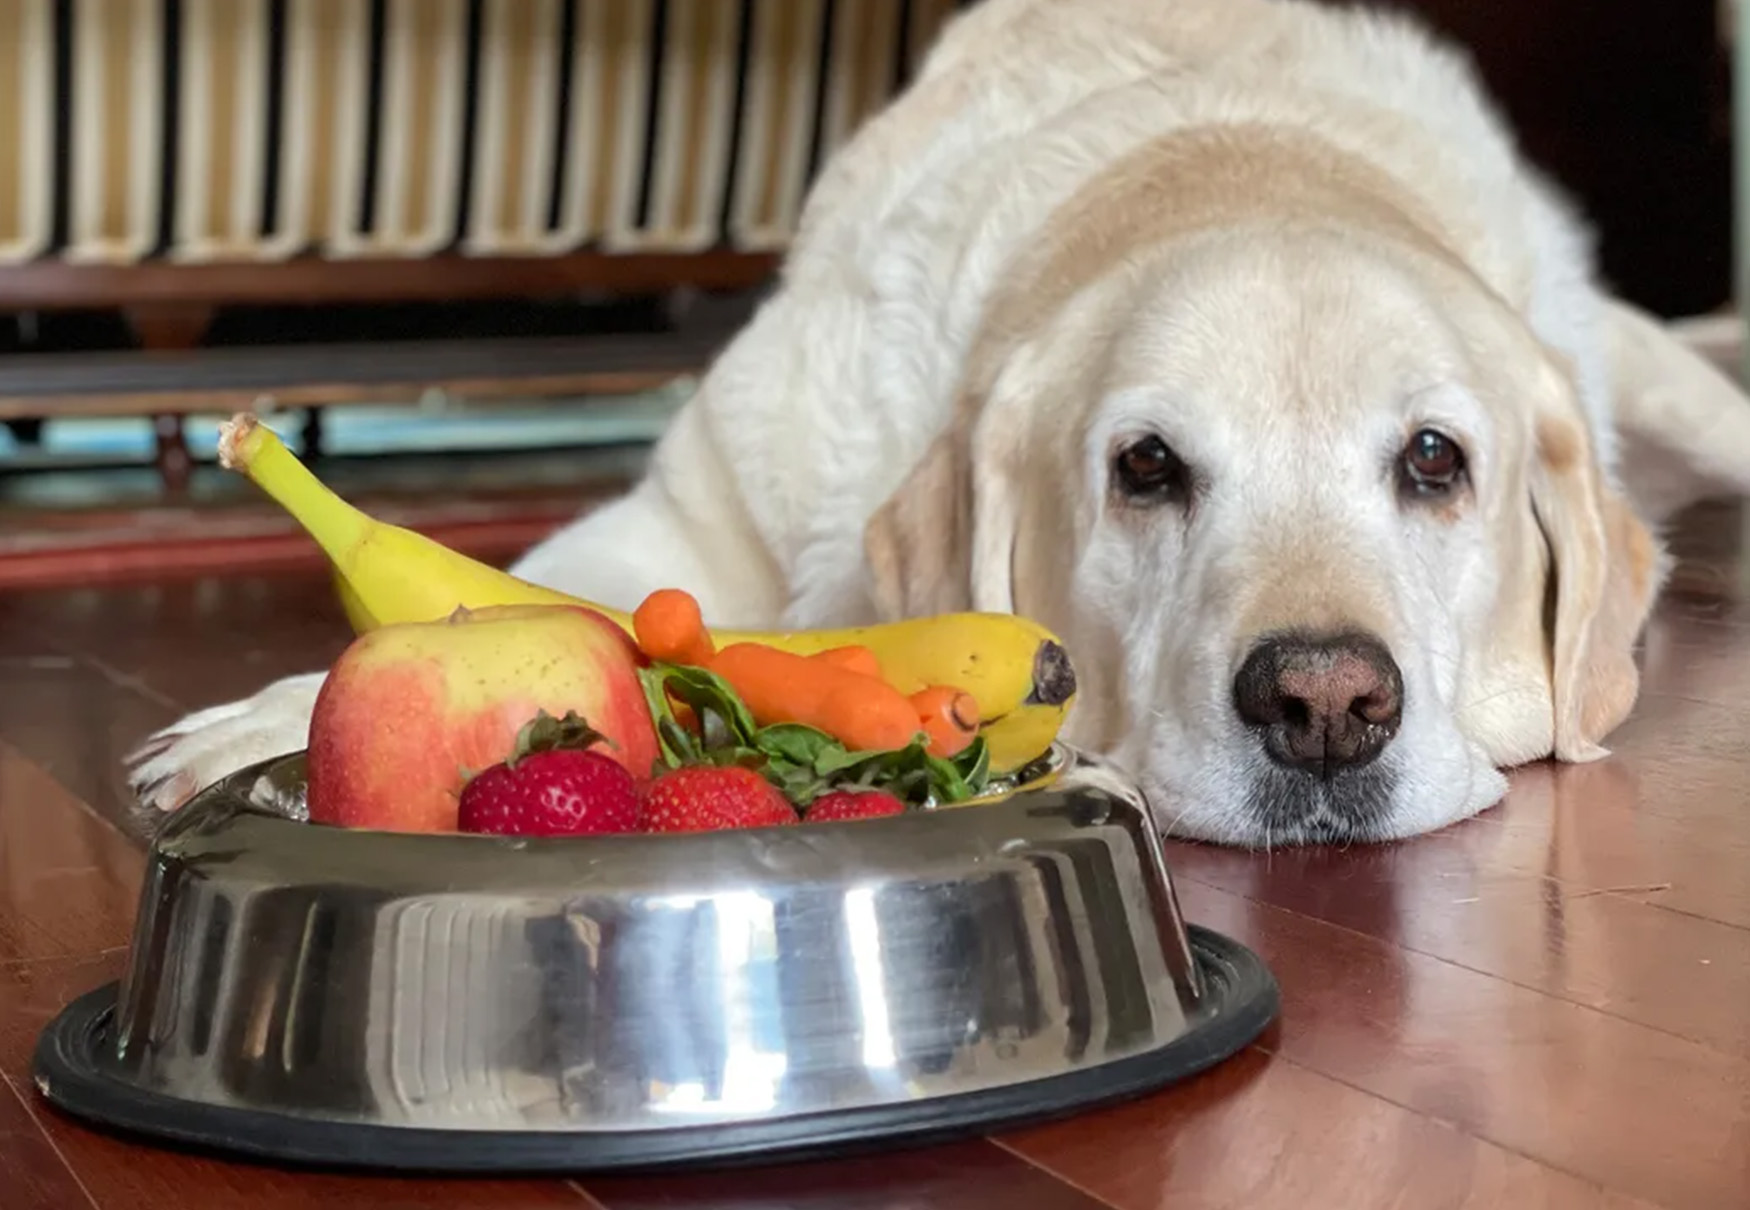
[1320,520]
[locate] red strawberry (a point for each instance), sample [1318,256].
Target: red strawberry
[552,794]
[841,805]
[554,784]
[703,798]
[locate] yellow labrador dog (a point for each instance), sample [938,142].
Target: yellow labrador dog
[1229,338]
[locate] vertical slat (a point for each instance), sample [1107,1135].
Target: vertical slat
[865,39]
[778,123]
[591,124]
[222,133]
[538,119]
[514,130]
[928,18]
[619,188]
[692,147]
[604,168]
[422,126]
[118,110]
[323,144]
[26,120]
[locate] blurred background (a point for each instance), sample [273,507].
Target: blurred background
[470,253]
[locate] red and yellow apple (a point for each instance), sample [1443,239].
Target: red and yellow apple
[410,711]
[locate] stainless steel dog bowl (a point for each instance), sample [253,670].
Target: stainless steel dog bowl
[464,1003]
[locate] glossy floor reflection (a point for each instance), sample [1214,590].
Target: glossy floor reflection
[1548,1005]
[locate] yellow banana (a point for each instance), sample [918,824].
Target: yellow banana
[1014,668]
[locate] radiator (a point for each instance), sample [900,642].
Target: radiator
[256,130]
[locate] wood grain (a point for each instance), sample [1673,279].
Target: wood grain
[49,284]
[972,1175]
[33,991]
[1548,1005]
[32,1172]
[1615,1103]
[293,376]
[68,880]
[1263,1133]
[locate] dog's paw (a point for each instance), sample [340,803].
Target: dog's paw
[171,766]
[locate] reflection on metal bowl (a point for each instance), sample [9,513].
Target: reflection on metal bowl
[464,1003]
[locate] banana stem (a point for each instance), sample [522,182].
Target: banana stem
[248,446]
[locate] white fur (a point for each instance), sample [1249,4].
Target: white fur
[1283,364]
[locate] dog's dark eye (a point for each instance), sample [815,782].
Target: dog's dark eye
[1433,465]
[1148,471]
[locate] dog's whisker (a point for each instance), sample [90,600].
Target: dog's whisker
[1178,818]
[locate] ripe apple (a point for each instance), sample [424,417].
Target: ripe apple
[409,712]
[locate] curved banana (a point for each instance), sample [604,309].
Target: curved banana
[1016,669]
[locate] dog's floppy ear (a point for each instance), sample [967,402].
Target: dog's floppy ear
[1605,570]
[945,540]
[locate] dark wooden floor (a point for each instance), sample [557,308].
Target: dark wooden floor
[1545,1006]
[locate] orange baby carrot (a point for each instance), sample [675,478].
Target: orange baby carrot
[949,717]
[861,712]
[851,659]
[671,629]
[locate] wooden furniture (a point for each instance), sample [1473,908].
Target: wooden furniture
[172,157]
[171,160]
[1548,1005]
[187,155]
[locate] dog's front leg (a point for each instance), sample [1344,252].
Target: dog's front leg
[214,743]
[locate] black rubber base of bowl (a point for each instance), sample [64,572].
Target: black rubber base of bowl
[1241,1000]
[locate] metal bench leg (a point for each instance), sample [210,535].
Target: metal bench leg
[171,456]
[311,433]
[170,328]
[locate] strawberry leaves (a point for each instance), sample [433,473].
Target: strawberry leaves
[544,733]
[801,761]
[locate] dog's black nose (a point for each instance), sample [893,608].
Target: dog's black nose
[1321,704]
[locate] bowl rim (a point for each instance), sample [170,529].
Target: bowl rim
[1042,775]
